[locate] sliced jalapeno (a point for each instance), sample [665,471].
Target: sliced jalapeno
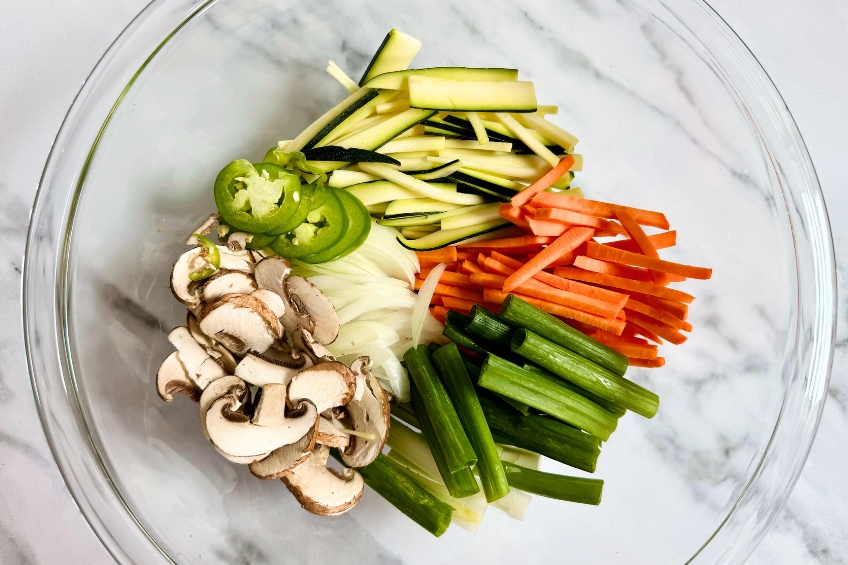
[359,226]
[323,227]
[210,254]
[256,198]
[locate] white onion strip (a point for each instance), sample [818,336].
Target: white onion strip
[422,303]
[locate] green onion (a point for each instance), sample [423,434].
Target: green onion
[461,392]
[584,373]
[485,324]
[519,313]
[460,483]
[510,380]
[614,409]
[474,372]
[413,447]
[403,411]
[390,481]
[458,319]
[551,485]
[459,337]
[545,436]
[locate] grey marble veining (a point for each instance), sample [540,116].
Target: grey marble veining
[39,522]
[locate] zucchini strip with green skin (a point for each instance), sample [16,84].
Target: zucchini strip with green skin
[331,119]
[395,54]
[419,186]
[399,80]
[471,96]
[443,238]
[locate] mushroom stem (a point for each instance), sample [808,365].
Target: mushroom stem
[363,435]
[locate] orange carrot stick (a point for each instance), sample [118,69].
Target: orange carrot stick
[458,304]
[624,284]
[630,350]
[510,244]
[529,211]
[613,255]
[439,312]
[613,269]
[436,256]
[563,244]
[658,314]
[464,293]
[641,238]
[436,300]
[577,219]
[676,309]
[481,258]
[544,182]
[611,325]
[596,208]
[464,256]
[633,330]
[649,363]
[544,227]
[470,268]
[514,215]
[664,331]
[659,240]
[456,279]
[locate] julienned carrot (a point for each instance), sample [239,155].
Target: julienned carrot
[439,312]
[458,304]
[611,325]
[577,219]
[631,329]
[443,255]
[658,314]
[470,268]
[633,273]
[563,244]
[599,209]
[641,238]
[624,284]
[464,256]
[634,351]
[542,291]
[676,309]
[456,279]
[662,240]
[464,293]
[664,331]
[436,300]
[422,274]
[481,259]
[529,211]
[544,227]
[544,182]
[648,363]
[505,263]
[565,260]
[613,255]
[514,215]
[511,244]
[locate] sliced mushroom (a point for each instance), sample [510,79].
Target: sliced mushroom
[201,368]
[330,435]
[309,308]
[256,255]
[198,335]
[235,260]
[369,415]
[203,229]
[283,355]
[235,387]
[224,282]
[322,490]
[270,409]
[241,323]
[220,354]
[233,432]
[272,300]
[270,274]
[173,378]
[326,385]
[260,371]
[304,341]
[238,241]
[184,289]
[284,459]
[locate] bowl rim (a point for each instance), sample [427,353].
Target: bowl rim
[93,499]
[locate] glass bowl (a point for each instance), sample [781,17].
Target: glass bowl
[673,112]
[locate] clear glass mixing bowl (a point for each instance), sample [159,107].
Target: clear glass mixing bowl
[673,112]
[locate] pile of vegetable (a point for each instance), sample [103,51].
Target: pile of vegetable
[412,286]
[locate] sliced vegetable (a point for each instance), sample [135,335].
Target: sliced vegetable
[614,409]
[550,485]
[459,95]
[544,182]
[323,227]
[399,80]
[395,54]
[444,238]
[255,198]
[599,209]
[358,228]
[334,153]
[606,253]
[332,118]
[418,186]
[485,324]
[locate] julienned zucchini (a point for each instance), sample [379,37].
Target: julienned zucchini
[331,118]
[437,172]
[375,192]
[399,79]
[469,96]
[426,219]
[417,207]
[395,54]
[335,153]
[443,238]
[350,121]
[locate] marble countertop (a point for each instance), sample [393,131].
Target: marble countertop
[46,51]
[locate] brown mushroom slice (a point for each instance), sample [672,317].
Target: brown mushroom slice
[235,260]
[238,241]
[260,371]
[198,335]
[173,378]
[270,274]
[235,434]
[203,229]
[368,415]
[224,282]
[283,460]
[241,323]
[183,288]
[327,385]
[270,408]
[220,354]
[309,308]
[272,300]
[303,341]
[233,386]
[201,368]
[322,490]
[330,435]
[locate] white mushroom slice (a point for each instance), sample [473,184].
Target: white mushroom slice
[173,378]
[322,490]
[233,386]
[198,335]
[220,354]
[235,260]
[201,368]
[184,289]
[203,229]
[238,241]
[270,408]
[272,300]
[304,341]
[309,308]
[369,415]
[330,435]
[327,385]
[260,371]
[227,282]
[284,459]
[241,323]
[271,272]
[256,255]
[233,433]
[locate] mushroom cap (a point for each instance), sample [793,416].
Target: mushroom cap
[282,460]
[309,308]
[201,368]
[225,281]
[322,490]
[203,229]
[233,432]
[240,322]
[330,435]
[272,300]
[370,414]
[223,386]
[260,370]
[327,385]
[173,378]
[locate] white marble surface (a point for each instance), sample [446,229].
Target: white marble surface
[46,50]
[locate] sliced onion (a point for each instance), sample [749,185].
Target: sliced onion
[422,304]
